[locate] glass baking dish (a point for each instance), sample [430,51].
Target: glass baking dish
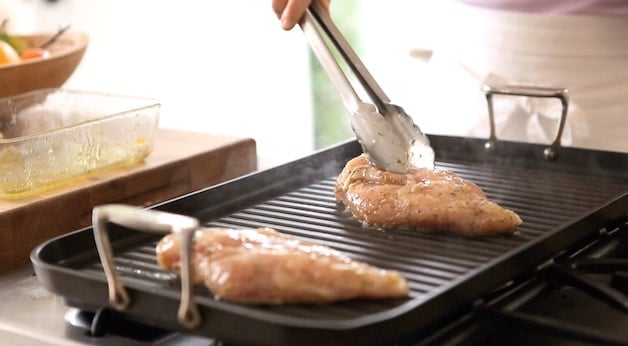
[51,136]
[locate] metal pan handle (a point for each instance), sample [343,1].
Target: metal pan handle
[550,153]
[152,221]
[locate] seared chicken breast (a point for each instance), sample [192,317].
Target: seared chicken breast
[419,199]
[267,267]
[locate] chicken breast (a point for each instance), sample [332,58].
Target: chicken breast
[420,199]
[266,267]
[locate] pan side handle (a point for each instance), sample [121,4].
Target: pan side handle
[152,221]
[550,153]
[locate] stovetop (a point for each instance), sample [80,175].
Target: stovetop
[580,297]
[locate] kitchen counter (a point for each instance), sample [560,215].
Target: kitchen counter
[29,314]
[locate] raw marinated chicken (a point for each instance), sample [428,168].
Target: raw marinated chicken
[420,199]
[266,267]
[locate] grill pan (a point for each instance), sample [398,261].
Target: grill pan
[560,202]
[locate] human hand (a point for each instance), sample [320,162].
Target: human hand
[291,11]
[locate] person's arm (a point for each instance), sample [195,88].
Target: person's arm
[291,11]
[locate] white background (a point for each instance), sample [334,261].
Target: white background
[224,67]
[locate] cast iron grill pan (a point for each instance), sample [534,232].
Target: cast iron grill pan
[560,203]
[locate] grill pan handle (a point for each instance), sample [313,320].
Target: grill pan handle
[152,221]
[550,153]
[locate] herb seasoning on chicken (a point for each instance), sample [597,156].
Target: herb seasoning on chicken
[421,199]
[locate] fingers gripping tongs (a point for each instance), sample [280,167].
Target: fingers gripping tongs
[387,134]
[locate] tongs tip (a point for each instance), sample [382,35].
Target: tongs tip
[392,142]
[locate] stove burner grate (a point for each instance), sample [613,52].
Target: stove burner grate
[578,297]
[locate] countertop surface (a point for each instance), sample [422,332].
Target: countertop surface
[29,314]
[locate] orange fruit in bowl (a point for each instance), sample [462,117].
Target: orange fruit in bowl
[33,53]
[8,54]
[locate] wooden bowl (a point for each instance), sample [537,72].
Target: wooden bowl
[41,73]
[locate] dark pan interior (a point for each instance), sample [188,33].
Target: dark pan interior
[560,203]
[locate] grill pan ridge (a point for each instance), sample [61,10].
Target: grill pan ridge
[560,203]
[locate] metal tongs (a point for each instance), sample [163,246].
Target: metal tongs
[387,134]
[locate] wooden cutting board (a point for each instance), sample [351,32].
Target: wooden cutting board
[181,162]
